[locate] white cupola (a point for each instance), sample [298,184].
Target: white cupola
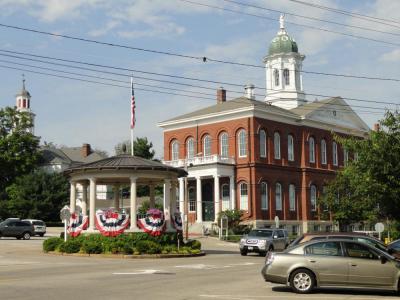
[23,103]
[283,66]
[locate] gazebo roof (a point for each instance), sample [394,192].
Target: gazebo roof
[125,162]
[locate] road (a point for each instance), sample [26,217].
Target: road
[27,273]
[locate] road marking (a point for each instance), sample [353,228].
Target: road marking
[144,272]
[297,296]
[198,267]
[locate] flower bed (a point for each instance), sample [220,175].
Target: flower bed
[127,244]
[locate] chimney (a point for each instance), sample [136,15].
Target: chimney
[377,127]
[221,95]
[85,151]
[249,91]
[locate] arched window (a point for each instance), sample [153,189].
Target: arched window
[263,143]
[278,196]
[311,145]
[192,199]
[276,77]
[290,148]
[190,148]
[244,200]
[175,150]
[242,143]
[264,195]
[277,145]
[224,146]
[286,76]
[323,152]
[225,197]
[313,198]
[207,146]
[334,154]
[292,197]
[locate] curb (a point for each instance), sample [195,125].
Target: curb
[125,256]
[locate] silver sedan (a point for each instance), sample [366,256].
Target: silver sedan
[333,263]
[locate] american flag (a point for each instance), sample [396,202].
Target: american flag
[133,106]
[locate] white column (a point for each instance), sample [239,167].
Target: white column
[233,192]
[92,203]
[181,195]
[133,205]
[167,203]
[216,197]
[72,197]
[116,197]
[152,197]
[199,208]
[173,198]
[84,199]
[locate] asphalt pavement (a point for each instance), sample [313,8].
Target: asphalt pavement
[28,273]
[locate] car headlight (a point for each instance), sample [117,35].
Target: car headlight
[262,242]
[242,241]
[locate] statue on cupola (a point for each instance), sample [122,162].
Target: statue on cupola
[283,66]
[23,103]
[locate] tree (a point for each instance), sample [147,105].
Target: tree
[38,195]
[369,186]
[19,149]
[141,146]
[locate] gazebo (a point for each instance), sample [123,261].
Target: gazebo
[124,170]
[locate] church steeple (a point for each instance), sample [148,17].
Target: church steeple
[23,102]
[283,66]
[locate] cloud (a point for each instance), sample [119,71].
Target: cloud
[104,30]
[393,56]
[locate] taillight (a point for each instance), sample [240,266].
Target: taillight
[270,258]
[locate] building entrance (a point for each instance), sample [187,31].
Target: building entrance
[207,202]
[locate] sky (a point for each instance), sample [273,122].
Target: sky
[71,112]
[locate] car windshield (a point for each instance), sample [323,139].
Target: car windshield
[38,223]
[261,233]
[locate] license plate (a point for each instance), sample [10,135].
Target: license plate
[250,248]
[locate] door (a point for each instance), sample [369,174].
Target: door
[207,194]
[366,268]
[327,261]
[279,240]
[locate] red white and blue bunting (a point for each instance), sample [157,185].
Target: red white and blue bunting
[111,223]
[176,221]
[153,223]
[77,223]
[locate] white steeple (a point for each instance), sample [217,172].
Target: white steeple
[23,103]
[283,66]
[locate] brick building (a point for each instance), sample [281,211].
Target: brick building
[268,158]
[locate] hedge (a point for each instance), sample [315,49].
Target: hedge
[129,243]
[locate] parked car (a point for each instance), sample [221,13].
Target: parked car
[342,235]
[38,225]
[394,248]
[332,262]
[263,240]
[16,228]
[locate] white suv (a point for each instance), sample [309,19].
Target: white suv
[263,240]
[38,225]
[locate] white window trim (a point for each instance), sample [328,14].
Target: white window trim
[290,147]
[277,145]
[292,192]
[311,146]
[280,197]
[323,152]
[244,144]
[223,200]
[313,198]
[244,199]
[208,138]
[174,153]
[263,144]
[335,159]
[190,148]
[222,144]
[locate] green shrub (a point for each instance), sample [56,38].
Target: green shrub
[185,250]
[92,247]
[148,247]
[169,249]
[51,244]
[193,244]
[71,246]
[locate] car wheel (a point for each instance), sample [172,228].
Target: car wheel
[243,253]
[302,281]
[262,253]
[41,234]
[26,236]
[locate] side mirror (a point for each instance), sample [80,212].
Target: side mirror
[383,259]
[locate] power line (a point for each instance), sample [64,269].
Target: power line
[153,73]
[310,18]
[204,58]
[334,107]
[293,23]
[352,14]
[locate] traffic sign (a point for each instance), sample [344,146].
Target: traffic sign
[379,227]
[65,214]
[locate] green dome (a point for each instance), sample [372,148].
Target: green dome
[282,43]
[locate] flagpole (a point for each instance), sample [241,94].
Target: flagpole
[132,116]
